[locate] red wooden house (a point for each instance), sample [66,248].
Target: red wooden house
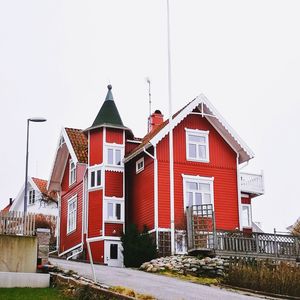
[106,178]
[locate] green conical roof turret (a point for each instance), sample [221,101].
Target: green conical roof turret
[108,113]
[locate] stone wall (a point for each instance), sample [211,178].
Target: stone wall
[43,236]
[18,253]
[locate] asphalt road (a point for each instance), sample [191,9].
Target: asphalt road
[159,286]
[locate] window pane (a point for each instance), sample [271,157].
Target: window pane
[202,151]
[198,199]
[204,187]
[113,251]
[207,199]
[98,177]
[192,185]
[118,211]
[93,179]
[246,216]
[118,157]
[110,156]
[196,138]
[110,210]
[192,151]
[189,199]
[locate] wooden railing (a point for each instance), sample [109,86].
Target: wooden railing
[17,223]
[252,183]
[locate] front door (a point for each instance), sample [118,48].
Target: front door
[113,254]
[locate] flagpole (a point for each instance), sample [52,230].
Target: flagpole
[171,153]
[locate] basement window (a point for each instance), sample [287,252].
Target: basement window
[139,165]
[197,146]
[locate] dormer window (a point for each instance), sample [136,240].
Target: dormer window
[114,155]
[197,145]
[139,165]
[72,172]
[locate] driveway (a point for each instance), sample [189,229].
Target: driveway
[159,286]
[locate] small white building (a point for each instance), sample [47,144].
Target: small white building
[39,201]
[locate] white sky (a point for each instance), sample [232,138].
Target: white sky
[57,57]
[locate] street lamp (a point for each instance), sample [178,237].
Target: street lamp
[26,166]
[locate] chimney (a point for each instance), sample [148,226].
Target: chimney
[155,120]
[10,201]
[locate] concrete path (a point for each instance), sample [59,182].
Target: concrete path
[159,286]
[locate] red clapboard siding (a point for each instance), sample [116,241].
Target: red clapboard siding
[97,249]
[222,167]
[140,193]
[130,146]
[111,227]
[96,146]
[113,184]
[114,135]
[95,213]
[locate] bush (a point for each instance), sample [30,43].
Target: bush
[137,247]
[275,277]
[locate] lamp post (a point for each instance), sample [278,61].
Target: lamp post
[26,165]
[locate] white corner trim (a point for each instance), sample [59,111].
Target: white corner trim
[197,177]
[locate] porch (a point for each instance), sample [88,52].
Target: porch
[203,236]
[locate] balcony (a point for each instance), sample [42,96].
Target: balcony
[252,183]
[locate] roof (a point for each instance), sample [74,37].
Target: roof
[41,184]
[108,114]
[6,208]
[214,118]
[79,143]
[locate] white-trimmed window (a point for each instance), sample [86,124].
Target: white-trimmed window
[114,210]
[139,165]
[114,155]
[72,214]
[246,215]
[31,197]
[198,190]
[72,172]
[197,145]
[95,177]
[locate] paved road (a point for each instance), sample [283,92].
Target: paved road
[159,286]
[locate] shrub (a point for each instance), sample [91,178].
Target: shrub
[275,277]
[138,247]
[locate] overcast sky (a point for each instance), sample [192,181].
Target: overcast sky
[57,57]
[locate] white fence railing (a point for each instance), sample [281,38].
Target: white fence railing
[17,223]
[252,183]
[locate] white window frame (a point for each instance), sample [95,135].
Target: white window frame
[199,133]
[74,215]
[95,169]
[114,201]
[249,216]
[137,169]
[72,172]
[114,147]
[197,179]
[30,197]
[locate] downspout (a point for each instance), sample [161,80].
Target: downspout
[239,191]
[155,192]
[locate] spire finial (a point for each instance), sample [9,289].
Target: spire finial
[109,86]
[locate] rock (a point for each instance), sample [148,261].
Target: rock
[150,267]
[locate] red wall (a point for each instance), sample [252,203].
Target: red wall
[113,184]
[96,147]
[222,167]
[68,241]
[110,227]
[114,135]
[140,193]
[95,213]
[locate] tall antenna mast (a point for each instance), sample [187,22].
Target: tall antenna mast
[149,99]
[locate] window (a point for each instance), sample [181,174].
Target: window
[139,165]
[72,173]
[198,190]
[31,197]
[114,156]
[197,145]
[113,251]
[72,214]
[246,216]
[114,210]
[95,180]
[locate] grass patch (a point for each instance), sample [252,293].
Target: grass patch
[32,293]
[131,293]
[279,278]
[190,278]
